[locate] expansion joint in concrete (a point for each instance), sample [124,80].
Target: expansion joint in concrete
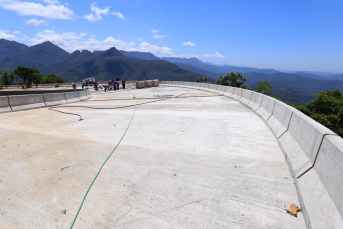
[315,159]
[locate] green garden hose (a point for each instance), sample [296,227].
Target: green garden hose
[84,197]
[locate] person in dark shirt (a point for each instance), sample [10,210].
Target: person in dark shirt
[123,83]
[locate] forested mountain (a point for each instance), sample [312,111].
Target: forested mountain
[37,56]
[50,59]
[10,47]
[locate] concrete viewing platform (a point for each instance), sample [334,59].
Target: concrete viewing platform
[190,159]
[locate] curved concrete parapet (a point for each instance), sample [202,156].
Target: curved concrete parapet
[228,91]
[4,104]
[266,108]
[212,87]
[237,93]
[321,187]
[89,94]
[281,117]
[221,89]
[246,97]
[301,142]
[256,100]
[72,97]
[313,152]
[83,95]
[204,86]
[14,102]
[51,99]
[23,102]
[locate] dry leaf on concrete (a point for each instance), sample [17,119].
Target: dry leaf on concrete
[293,209]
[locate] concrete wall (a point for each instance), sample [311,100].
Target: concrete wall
[54,99]
[4,104]
[82,95]
[246,97]
[266,108]
[313,152]
[30,101]
[23,102]
[72,97]
[237,93]
[256,100]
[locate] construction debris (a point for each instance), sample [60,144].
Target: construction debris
[293,209]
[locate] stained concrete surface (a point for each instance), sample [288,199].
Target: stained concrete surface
[197,161]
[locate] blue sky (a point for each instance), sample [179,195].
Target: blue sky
[281,34]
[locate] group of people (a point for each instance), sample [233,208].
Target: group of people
[91,82]
[112,84]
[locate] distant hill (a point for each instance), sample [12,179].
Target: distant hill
[311,75]
[37,56]
[9,48]
[197,65]
[202,71]
[140,55]
[336,77]
[293,88]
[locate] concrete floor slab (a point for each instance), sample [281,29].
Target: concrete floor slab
[196,161]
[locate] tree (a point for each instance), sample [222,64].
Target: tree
[202,80]
[52,78]
[27,75]
[6,79]
[117,79]
[264,87]
[327,109]
[233,79]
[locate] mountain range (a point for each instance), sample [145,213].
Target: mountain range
[104,65]
[295,87]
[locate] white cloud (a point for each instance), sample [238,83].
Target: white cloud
[25,37]
[119,15]
[7,36]
[71,41]
[216,54]
[51,1]
[154,49]
[36,9]
[37,22]
[64,40]
[97,12]
[188,43]
[16,32]
[158,36]
[154,31]
[190,55]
